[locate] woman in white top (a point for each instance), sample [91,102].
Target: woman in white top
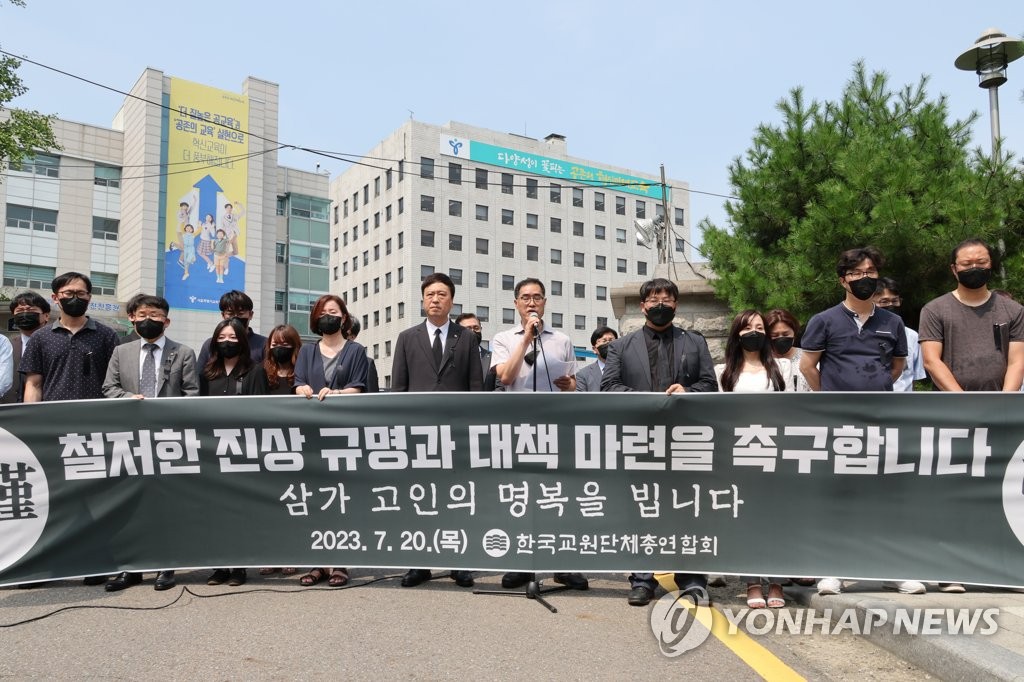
[750,367]
[783,331]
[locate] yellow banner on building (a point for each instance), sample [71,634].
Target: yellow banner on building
[207,175]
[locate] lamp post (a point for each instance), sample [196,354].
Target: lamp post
[988,58]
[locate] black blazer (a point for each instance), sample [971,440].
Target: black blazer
[628,367]
[414,368]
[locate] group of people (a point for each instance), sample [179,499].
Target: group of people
[970,339]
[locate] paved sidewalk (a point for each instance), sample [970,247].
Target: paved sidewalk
[948,657]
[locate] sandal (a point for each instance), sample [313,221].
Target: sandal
[755,597]
[313,577]
[291,570]
[267,570]
[339,578]
[776,597]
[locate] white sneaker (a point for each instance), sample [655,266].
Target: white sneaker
[952,588]
[830,586]
[906,587]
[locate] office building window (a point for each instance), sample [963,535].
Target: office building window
[620,265]
[376,186]
[556,224]
[602,322]
[581,321]
[556,256]
[108,228]
[481,212]
[387,247]
[387,344]
[508,250]
[280,250]
[556,193]
[507,216]
[620,235]
[599,262]
[366,223]
[579,290]
[110,176]
[456,275]
[366,289]
[387,213]
[577,197]
[376,220]
[39,219]
[426,167]
[40,164]
[556,287]
[355,201]
[679,217]
[556,320]
[455,173]
[24,276]
[426,203]
[531,188]
[387,179]
[508,315]
[659,212]
[532,253]
[454,208]
[531,221]
[103,284]
[401,309]
[425,271]
[481,178]
[602,293]
[376,252]
[366,257]
[376,285]
[387,318]
[455,242]
[344,238]
[641,267]
[366,193]
[376,323]
[598,201]
[344,208]
[456,310]
[599,232]
[577,259]
[401,274]
[577,228]
[344,269]
[483,313]
[481,246]
[620,205]
[401,205]
[355,294]
[335,244]
[641,209]
[680,245]
[508,283]
[387,280]
[483,280]
[506,183]
[279,299]
[335,214]
[401,240]
[401,170]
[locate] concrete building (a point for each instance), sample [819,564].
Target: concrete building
[489,209]
[104,206]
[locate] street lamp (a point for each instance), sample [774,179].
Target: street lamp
[988,58]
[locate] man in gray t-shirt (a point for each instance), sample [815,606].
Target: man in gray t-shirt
[973,340]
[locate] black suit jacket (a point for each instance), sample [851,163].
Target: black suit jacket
[414,368]
[628,367]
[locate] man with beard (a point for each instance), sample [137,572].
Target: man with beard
[588,379]
[662,358]
[854,346]
[29,312]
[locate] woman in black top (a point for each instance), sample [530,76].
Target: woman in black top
[276,375]
[223,374]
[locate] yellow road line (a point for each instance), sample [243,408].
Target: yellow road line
[761,660]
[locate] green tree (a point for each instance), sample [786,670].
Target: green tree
[21,132]
[878,167]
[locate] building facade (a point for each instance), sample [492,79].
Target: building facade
[105,205]
[489,209]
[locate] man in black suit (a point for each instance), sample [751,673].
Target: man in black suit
[589,378]
[662,358]
[29,312]
[436,355]
[472,323]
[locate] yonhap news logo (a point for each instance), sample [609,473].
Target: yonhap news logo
[677,623]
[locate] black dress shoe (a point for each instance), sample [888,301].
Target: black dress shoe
[219,577]
[415,576]
[640,595]
[463,578]
[123,580]
[514,579]
[164,581]
[94,580]
[574,581]
[237,577]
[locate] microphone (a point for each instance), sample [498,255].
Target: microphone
[540,323]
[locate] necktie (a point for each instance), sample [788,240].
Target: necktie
[148,378]
[437,348]
[663,372]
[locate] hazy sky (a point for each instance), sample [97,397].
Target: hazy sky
[680,83]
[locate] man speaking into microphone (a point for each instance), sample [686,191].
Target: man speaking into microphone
[531,357]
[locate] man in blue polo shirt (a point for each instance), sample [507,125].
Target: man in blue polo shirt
[855,346]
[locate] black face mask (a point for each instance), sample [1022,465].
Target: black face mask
[660,315]
[602,351]
[228,349]
[26,321]
[479,337]
[329,324]
[149,329]
[864,288]
[752,341]
[974,278]
[74,307]
[894,309]
[782,344]
[282,354]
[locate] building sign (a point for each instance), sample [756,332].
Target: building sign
[560,169]
[207,176]
[868,485]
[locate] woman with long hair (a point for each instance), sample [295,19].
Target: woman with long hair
[783,331]
[223,374]
[750,367]
[331,366]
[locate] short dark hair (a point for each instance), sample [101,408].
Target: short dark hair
[435,278]
[235,300]
[888,283]
[466,316]
[601,331]
[530,280]
[150,301]
[356,327]
[30,298]
[972,242]
[60,281]
[318,310]
[658,285]
[851,258]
